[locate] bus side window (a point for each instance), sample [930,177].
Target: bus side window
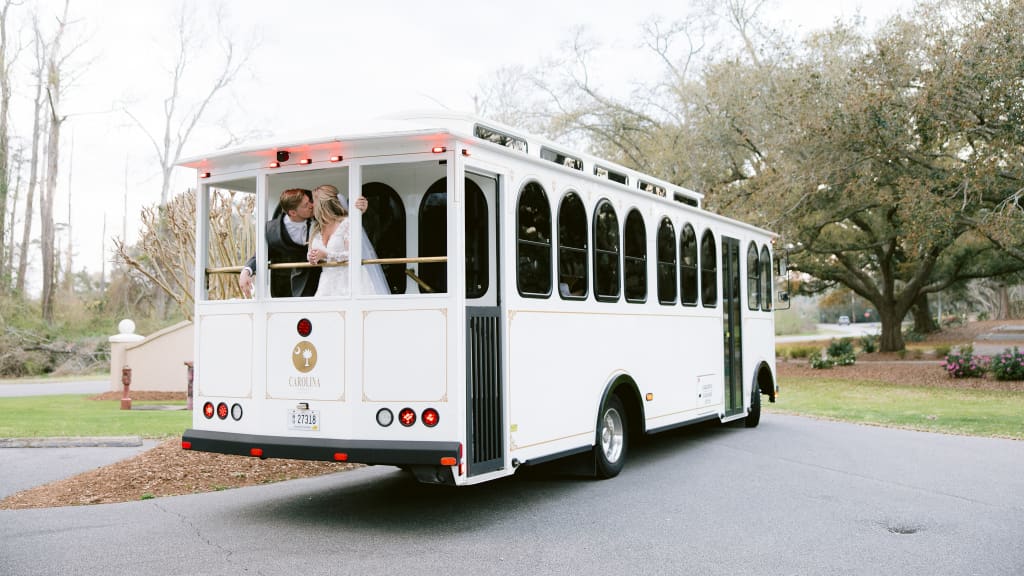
[708,270]
[433,237]
[753,279]
[635,256]
[666,262]
[533,244]
[606,253]
[572,248]
[477,236]
[688,265]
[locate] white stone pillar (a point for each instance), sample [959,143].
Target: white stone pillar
[118,344]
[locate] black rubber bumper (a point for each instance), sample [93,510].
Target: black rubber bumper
[359,451]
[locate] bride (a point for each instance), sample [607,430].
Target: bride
[329,242]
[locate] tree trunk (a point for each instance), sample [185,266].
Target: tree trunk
[1002,303]
[5,101]
[53,90]
[892,334]
[33,178]
[923,322]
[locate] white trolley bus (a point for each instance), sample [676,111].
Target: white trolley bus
[543,303]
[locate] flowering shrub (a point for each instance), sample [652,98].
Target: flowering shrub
[839,353]
[821,361]
[965,365]
[1008,365]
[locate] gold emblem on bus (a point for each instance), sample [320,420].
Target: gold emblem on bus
[304,356]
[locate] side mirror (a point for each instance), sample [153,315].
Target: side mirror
[782,282]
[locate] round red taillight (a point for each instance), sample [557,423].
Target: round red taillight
[222,411]
[430,417]
[208,409]
[407,417]
[304,327]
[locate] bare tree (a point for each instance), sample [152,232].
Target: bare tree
[6,63]
[41,50]
[179,118]
[54,69]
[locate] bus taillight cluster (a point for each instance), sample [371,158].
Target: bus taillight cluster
[222,411]
[407,417]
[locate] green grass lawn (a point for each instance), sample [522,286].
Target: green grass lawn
[950,411]
[76,415]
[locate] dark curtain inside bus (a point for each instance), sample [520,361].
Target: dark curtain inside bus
[534,241]
[433,238]
[384,223]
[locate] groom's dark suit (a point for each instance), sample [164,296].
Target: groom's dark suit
[281,248]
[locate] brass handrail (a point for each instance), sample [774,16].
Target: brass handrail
[366,262]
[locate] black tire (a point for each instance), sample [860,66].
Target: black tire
[612,438]
[754,416]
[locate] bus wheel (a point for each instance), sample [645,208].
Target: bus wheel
[610,448]
[754,416]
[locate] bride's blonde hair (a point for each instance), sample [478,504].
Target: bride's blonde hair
[327,207]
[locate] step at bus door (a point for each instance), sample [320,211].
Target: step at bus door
[485,450]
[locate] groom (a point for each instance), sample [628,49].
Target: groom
[286,242]
[287,237]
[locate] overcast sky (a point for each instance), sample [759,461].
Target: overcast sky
[319,66]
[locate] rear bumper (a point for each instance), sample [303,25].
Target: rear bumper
[360,451]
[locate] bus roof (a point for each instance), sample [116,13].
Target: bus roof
[425,126]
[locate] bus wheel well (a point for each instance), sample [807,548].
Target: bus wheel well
[765,382]
[629,395]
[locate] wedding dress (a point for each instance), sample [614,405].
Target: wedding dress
[334,279]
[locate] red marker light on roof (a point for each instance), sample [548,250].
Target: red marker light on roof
[204,174]
[338,158]
[274,165]
[306,161]
[438,149]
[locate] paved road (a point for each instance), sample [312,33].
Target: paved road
[795,496]
[12,389]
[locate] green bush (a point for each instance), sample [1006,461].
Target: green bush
[841,347]
[821,361]
[1008,366]
[801,351]
[912,336]
[869,343]
[943,350]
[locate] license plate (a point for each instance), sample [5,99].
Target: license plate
[304,420]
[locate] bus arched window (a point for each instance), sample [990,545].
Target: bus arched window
[666,262]
[766,279]
[384,223]
[708,270]
[753,279]
[688,265]
[433,237]
[477,259]
[606,253]
[572,248]
[635,256]
[533,243]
